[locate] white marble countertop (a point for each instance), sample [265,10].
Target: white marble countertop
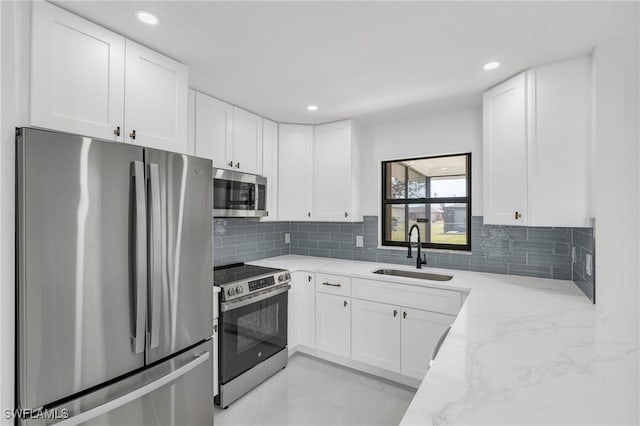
[522,351]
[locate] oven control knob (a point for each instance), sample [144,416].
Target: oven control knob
[239,290]
[281,278]
[231,291]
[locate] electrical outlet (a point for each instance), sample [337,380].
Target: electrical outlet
[359,241]
[287,238]
[588,264]
[573,254]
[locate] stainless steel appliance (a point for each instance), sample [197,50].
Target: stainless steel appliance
[238,194]
[252,327]
[114,283]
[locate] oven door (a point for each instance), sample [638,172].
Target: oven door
[251,333]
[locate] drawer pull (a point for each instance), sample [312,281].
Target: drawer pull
[331,284]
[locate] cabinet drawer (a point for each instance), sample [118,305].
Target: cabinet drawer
[424,298]
[333,284]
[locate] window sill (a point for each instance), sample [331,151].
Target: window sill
[431,250]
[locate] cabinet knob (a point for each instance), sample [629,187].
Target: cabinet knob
[230,164]
[518,215]
[395,313]
[238,165]
[116,131]
[404,315]
[345,303]
[309,214]
[215,328]
[309,278]
[346,214]
[132,135]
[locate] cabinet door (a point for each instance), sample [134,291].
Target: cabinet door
[505,152]
[270,167]
[307,310]
[559,154]
[295,170]
[375,334]
[333,324]
[420,332]
[77,75]
[293,310]
[247,141]
[332,172]
[155,100]
[214,130]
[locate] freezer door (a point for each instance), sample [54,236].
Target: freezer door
[80,311]
[180,191]
[175,392]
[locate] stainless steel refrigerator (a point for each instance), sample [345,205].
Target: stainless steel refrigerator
[114,283]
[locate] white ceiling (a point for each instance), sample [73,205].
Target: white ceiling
[357,59]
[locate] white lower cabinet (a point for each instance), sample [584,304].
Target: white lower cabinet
[420,333]
[333,324]
[302,310]
[375,334]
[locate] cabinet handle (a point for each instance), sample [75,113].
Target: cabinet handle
[238,165]
[346,214]
[331,284]
[345,303]
[309,214]
[395,313]
[132,135]
[215,328]
[404,315]
[309,278]
[230,164]
[518,215]
[116,131]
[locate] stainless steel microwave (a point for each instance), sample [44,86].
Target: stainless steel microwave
[238,194]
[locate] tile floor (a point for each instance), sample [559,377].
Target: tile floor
[314,392]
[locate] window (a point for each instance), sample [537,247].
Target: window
[431,192]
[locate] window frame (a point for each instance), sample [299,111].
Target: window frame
[426,202]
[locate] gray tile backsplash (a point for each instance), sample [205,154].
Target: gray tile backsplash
[515,250]
[584,243]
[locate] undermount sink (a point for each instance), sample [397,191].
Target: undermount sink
[413,274]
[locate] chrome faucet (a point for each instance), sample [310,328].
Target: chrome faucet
[421,260]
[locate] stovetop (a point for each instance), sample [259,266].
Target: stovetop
[231,273]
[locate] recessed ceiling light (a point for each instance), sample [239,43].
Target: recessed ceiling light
[147,17]
[312,107]
[491,65]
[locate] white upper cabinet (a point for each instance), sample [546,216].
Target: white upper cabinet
[559,152]
[270,167]
[247,142]
[505,152]
[214,130]
[155,99]
[537,152]
[77,75]
[334,172]
[295,172]
[88,80]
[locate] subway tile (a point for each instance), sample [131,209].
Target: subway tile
[532,246]
[308,227]
[265,245]
[329,245]
[342,237]
[246,248]
[351,228]
[530,271]
[300,251]
[281,227]
[308,244]
[319,252]
[365,256]
[299,235]
[272,253]
[562,248]
[583,240]
[398,260]
[549,234]
[338,254]
[273,236]
[254,256]
[232,259]
[320,236]
[480,265]
[453,263]
[535,259]
[224,251]
[253,238]
[243,230]
[328,227]
[561,273]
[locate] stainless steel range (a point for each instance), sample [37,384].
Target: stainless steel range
[253,327]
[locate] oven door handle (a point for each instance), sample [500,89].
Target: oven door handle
[239,303]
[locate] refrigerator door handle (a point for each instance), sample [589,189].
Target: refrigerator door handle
[155,247]
[138,339]
[113,404]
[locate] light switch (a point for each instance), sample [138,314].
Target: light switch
[287,238]
[359,241]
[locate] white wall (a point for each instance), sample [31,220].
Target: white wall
[616,207]
[448,133]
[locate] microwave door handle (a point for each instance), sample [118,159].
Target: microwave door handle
[140,257]
[155,247]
